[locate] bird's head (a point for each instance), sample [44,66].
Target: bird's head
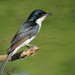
[38,15]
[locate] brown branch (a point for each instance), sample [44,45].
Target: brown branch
[21,54]
[6,39]
[7,71]
[10,70]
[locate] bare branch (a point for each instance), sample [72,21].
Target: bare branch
[6,39]
[21,54]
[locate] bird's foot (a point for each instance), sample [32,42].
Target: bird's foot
[32,51]
[28,46]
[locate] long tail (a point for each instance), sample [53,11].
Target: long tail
[7,59]
[5,62]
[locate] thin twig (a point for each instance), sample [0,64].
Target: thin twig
[6,39]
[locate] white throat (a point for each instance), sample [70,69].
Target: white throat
[39,21]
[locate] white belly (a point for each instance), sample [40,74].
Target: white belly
[28,41]
[23,44]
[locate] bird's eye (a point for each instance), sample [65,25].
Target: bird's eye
[37,16]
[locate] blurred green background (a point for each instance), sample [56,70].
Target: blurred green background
[56,40]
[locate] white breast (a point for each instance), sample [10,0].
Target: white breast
[23,44]
[39,21]
[28,41]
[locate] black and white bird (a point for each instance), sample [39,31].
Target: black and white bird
[25,34]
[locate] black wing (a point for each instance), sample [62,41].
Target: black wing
[26,31]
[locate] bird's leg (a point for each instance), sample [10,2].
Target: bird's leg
[31,49]
[29,45]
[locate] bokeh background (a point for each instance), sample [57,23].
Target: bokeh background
[56,40]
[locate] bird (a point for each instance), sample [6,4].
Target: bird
[25,34]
